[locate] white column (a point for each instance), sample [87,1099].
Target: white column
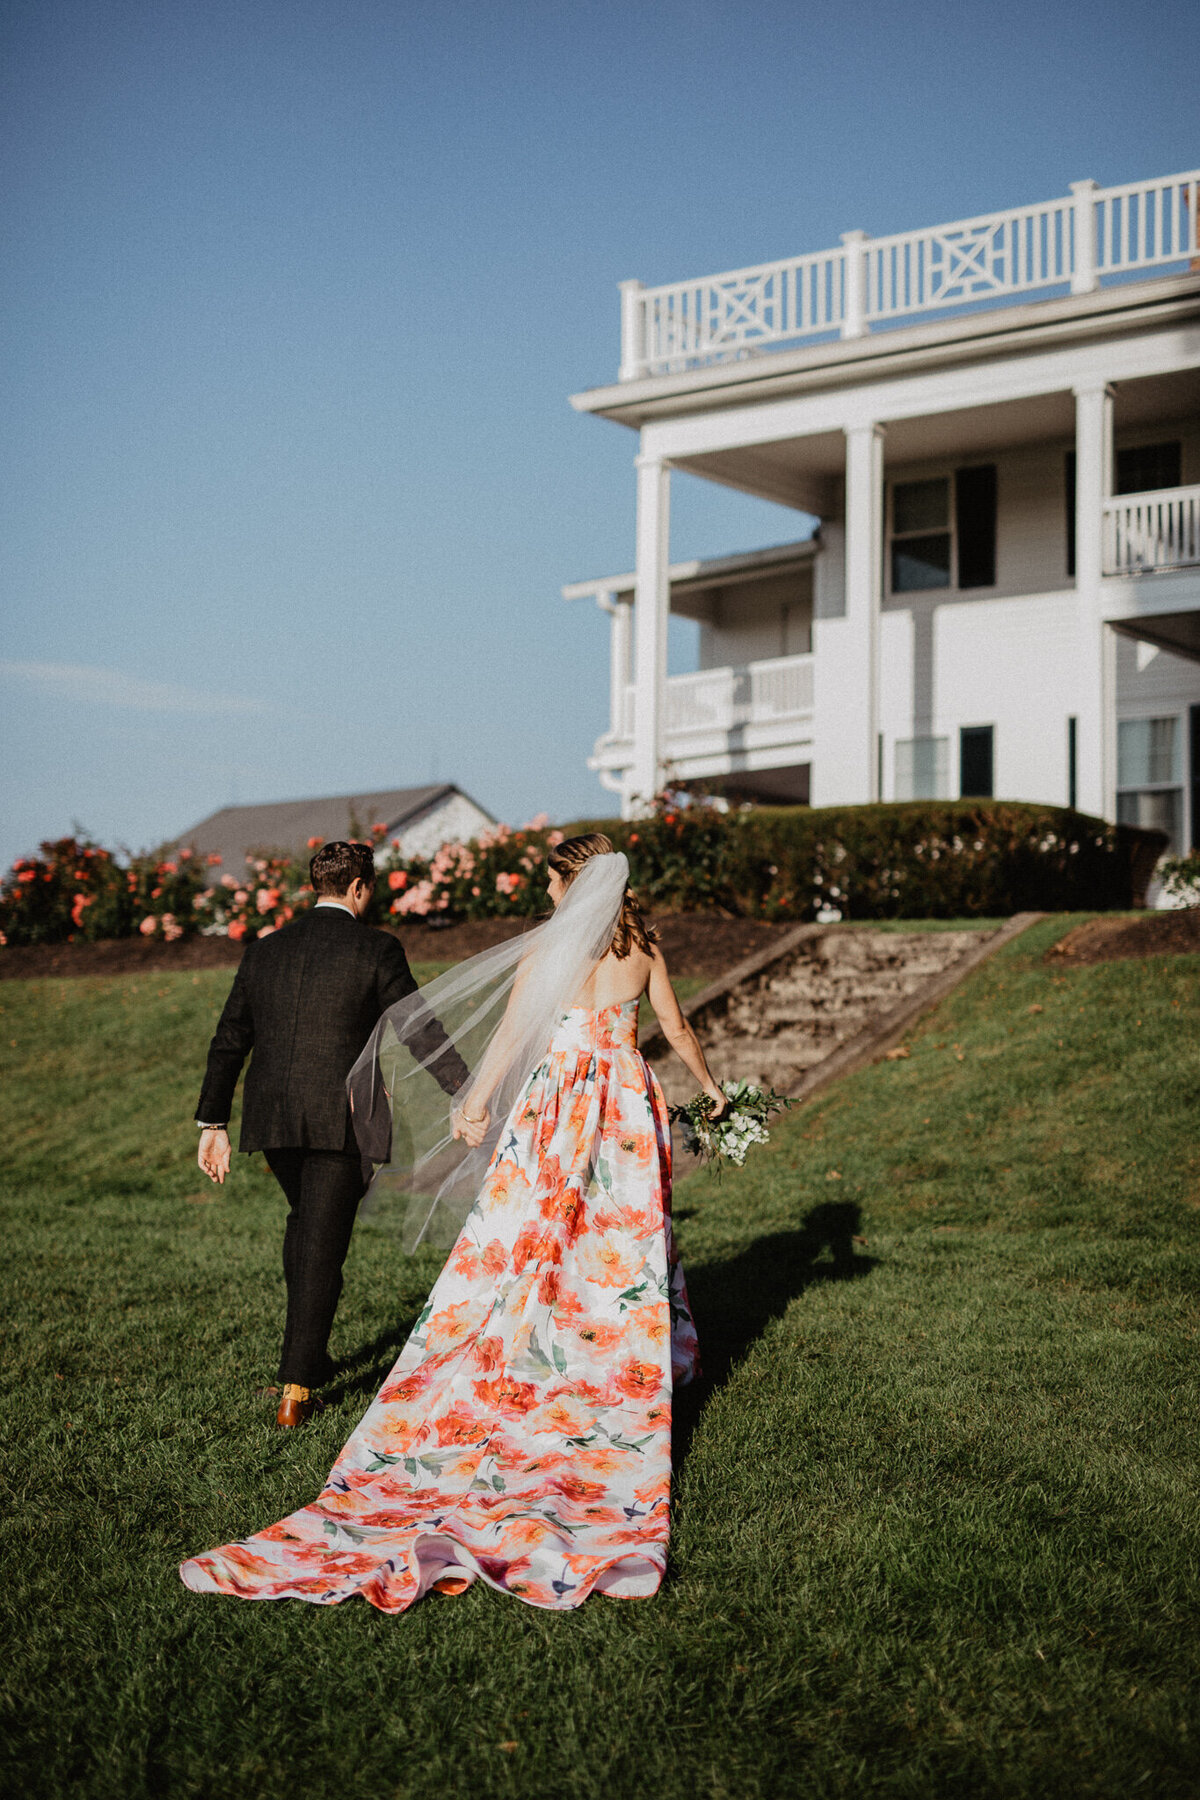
[1096,703]
[652,598]
[846,650]
[620,660]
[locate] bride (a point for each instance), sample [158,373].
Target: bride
[523,1437]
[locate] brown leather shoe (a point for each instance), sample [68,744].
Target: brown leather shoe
[296,1406]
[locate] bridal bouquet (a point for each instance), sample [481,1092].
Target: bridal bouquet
[729,1138]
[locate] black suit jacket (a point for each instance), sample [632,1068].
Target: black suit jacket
[305,1000]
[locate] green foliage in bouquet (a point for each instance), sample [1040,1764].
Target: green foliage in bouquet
[728,1138]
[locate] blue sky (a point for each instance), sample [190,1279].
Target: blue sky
[293,299]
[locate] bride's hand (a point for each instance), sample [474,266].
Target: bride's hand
[471,1128]
[720,1101]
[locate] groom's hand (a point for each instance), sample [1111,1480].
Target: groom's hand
[215,1153]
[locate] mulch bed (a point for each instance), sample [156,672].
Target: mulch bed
[1111,940]
[693,944]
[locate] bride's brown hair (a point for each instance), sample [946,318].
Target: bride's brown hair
[632,931]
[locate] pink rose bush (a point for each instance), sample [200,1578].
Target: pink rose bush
[75,889]
[500,874]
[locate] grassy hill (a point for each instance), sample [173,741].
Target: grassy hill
[936,1523]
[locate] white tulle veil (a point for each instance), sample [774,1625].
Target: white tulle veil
[480,1030]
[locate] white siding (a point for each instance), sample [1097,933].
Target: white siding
[1164,684]
[1031,507]
[452,821]
[757,619]
[1006,663]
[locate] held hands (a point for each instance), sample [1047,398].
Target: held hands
[215,1154]
[472,1128]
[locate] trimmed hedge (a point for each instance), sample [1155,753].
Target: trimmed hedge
[923,860]
[912,860]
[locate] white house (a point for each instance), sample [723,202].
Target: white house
[1003,595]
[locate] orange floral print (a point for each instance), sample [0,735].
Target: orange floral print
[640,1380]
[523,1438]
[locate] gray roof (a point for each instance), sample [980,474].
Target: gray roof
[286,825]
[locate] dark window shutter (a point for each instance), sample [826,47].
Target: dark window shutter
[975,762]
[975,516]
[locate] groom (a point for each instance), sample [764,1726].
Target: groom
[305,1000]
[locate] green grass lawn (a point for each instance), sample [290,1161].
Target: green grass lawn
[937,1518]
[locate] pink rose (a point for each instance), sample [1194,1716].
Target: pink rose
[148,926]
[237,930]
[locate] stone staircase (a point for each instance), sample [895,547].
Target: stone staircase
[802,1005]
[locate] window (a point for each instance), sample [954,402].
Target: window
[920,535]
[923,768]
[1139,470]
[975,525]
[1149,776]
[1147,752]
[975,762]
[922,543]
[1146,466]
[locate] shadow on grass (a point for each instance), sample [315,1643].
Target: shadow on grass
[734,1301]
[362,1373]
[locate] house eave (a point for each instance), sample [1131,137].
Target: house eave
[1070,319]
[685,577]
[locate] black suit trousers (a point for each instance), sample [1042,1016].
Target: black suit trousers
[323,1189]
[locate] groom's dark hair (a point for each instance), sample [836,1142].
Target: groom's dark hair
[336,866]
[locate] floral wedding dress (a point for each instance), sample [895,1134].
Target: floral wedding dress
[523,1438]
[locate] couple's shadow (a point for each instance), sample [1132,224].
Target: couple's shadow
[733,1301]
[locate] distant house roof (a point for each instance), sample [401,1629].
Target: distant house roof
[238,831]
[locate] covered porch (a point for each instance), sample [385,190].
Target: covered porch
[1070,432]
[741,724]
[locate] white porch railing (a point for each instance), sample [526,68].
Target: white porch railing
[1079,239]
[757,693]
[1158,530]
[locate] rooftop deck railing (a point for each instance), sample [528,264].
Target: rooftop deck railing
[1076,241]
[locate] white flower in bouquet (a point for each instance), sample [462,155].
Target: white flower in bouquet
[728,1138]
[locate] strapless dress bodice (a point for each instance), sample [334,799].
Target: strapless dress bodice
[582,1029]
